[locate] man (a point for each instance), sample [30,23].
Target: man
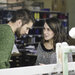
[20,23]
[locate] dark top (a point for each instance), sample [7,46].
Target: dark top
[46,56]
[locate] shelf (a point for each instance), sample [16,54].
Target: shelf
[32,43]
[52,12]
[34,35]
[13,4]
[37,27]
[27,44]
[29,54]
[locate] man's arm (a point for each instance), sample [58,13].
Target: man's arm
[6,45]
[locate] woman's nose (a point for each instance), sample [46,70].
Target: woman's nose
[45,31]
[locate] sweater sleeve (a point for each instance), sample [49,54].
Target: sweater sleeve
[6,45]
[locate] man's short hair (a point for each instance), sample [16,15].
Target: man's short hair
[24,14]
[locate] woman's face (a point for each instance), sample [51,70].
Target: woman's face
[47,32]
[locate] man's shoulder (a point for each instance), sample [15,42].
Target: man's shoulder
[4,28]
[6,32]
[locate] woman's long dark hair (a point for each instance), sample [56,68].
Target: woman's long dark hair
[58,29]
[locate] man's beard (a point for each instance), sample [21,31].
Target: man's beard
[17,33]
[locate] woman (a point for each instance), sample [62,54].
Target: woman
[53,32]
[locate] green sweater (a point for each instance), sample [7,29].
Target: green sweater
[6,44]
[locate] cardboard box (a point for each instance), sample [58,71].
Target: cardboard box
[11,4]
[59,5]
[3,1]
[14,1]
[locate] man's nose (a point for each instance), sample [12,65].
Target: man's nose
[27,31]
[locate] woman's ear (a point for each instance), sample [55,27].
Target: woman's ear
[19,23]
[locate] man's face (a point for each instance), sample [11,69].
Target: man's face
[24,29]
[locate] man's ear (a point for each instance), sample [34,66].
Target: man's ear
[19,23]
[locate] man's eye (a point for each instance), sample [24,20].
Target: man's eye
[48,29]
